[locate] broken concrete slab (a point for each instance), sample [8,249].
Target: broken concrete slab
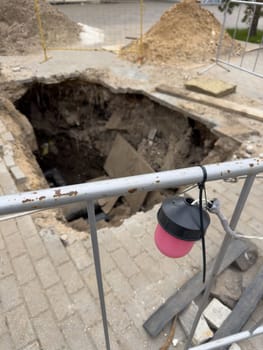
[107,203]
[216,313]
[115,121]
[202,332]
[123,160]
[74,211]
[211,87]
[228,287]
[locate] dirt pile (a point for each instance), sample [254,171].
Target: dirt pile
[186,32]
[19,30]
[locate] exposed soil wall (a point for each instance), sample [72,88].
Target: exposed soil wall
[76,122]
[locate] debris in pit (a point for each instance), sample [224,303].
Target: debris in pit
[185,32]
[54,178]
[228,287]
[213,87]
[107,204]
[123,160]
[115,122]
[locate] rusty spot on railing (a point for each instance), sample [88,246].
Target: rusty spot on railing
[27,200]
[67,194]
[132,190]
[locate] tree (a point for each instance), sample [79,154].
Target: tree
[252,14]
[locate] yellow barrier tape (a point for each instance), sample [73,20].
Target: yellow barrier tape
[141,31]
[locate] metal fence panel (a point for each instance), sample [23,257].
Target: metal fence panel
[250,58]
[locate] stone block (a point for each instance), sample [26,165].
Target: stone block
[5,265]
[228,287]
[2,127]
[234,346]
[59,301]
[8,137]
[35,298]
[33,346]
[70,277]
[46,272]
[74,331]
[24,269]
[18,175]
[203,332]
[87,306]
[125,262]
[35,248]
[247,259]
[15,245]
[9,293]
[54,246]
[48,332]
[9,161]
[79,255]
[6,342]
[20,327]
[216,313]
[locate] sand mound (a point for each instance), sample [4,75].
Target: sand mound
[186,32]
[19,30]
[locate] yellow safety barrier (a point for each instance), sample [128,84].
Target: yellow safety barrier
[117,34]
[40,29]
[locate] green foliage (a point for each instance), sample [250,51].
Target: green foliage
[251,15]
[242,34]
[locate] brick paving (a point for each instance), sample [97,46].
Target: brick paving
[48,292]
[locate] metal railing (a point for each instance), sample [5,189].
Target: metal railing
[250,60]
[55,197]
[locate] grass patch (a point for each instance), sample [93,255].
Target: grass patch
[241,34]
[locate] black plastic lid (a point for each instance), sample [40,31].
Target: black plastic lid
[181,219]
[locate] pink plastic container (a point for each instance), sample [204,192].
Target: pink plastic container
[179,226]
[171,246]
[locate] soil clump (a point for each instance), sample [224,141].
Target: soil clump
[19,32]
[185,33]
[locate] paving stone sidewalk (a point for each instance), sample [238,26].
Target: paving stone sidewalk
[48,292]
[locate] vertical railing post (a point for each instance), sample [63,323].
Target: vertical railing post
[227,240]
[96,257]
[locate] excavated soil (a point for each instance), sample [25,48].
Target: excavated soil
[19,32]
[186,33]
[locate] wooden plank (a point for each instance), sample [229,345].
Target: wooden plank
[189,291]
[123,160]
[249,112]
[243,309]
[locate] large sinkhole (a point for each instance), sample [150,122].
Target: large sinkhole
[77,123]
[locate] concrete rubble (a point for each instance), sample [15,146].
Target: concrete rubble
[203,332]
[216,313]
